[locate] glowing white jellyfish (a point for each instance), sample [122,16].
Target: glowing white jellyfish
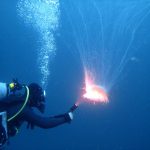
[104,33]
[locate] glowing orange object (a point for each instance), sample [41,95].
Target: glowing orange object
[93,92]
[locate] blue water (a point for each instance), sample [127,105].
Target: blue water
[123,123]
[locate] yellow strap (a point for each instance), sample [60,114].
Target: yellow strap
[26,100]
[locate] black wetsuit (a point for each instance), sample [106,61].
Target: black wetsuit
[14,102]
[35,119]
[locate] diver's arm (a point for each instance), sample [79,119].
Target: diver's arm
[45,122]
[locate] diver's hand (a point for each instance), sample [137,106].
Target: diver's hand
[73,108]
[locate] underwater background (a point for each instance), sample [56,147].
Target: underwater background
[122,124]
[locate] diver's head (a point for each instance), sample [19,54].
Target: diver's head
[37,97]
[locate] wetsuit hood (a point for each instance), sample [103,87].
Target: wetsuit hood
[37,97]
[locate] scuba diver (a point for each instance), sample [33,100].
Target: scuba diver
[17,104]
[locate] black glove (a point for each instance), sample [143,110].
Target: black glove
[73,108]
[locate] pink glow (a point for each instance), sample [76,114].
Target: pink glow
[93,92]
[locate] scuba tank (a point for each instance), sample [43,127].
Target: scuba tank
[3,129]
[10,93]
[3,90]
